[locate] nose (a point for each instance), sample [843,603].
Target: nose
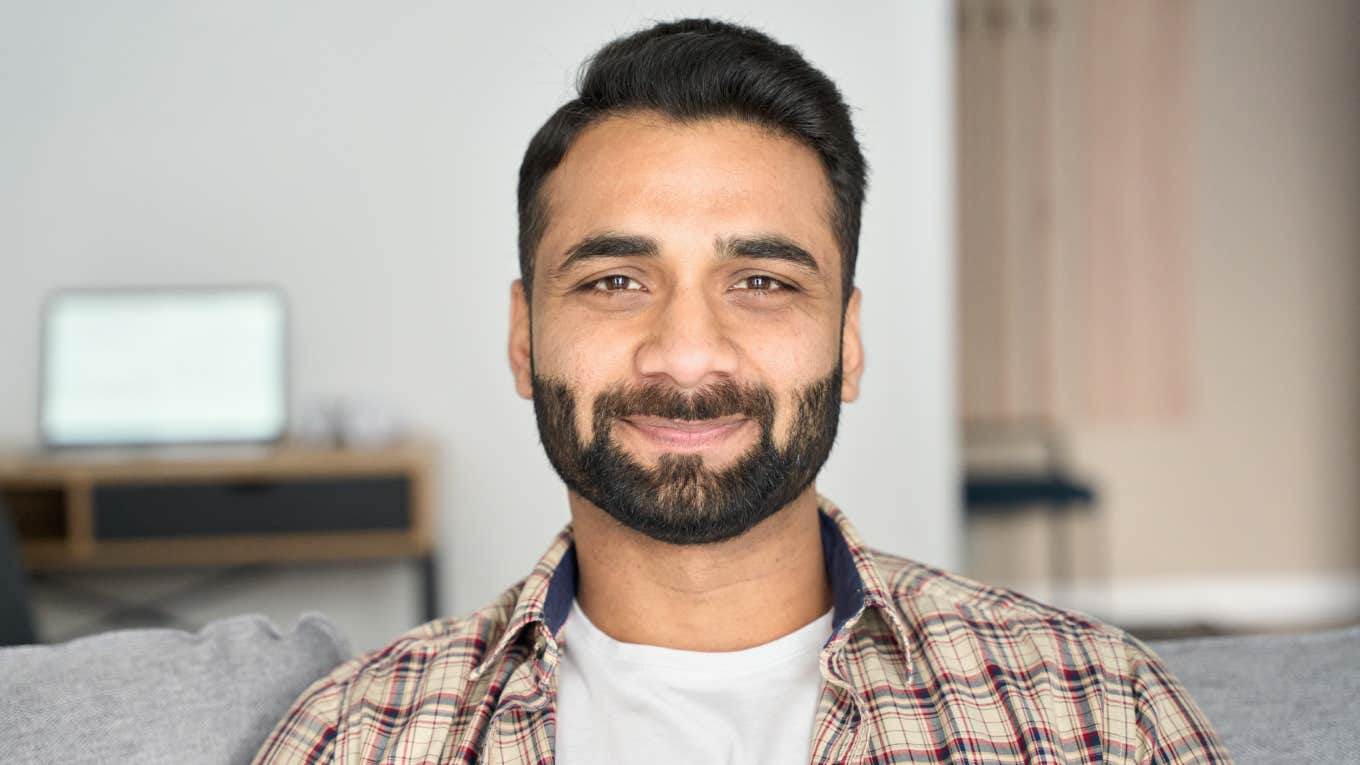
[688,345]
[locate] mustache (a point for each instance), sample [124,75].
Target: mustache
[721,399]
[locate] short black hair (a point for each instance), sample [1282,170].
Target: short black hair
[696,69]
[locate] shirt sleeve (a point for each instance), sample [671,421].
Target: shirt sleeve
[306,735]
[1171,728]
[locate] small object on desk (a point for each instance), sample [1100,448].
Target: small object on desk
[355,423]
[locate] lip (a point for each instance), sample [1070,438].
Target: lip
[686,435]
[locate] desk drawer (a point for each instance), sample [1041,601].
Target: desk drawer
[142,511]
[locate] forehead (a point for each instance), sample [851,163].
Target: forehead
[644,173]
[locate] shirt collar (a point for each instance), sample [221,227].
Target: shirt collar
[856,585]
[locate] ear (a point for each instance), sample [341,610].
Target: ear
[852,350]
[520,359]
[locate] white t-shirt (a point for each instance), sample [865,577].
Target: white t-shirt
[625,703]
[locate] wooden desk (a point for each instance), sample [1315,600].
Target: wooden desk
[221,506]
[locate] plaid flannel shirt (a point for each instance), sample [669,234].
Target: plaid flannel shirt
[923,666]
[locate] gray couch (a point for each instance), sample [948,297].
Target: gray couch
[1276,699]
[159,695]
[166,696]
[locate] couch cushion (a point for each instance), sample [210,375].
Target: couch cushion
[160,695]
[1276,698]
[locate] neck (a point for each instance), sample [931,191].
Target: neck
[725,596]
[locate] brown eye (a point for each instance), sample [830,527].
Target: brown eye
[760,283]
[615,283]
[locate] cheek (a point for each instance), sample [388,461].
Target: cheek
[785,410]
[788,361]
[587,358]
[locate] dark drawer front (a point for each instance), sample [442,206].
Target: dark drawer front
[140,511]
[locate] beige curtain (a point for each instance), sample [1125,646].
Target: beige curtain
[1073,200]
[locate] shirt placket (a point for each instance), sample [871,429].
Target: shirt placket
[841,721]
[519,732]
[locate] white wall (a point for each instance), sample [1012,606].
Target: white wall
[364,157]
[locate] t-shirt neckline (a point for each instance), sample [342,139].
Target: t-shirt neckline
[582,634]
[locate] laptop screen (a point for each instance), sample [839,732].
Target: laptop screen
[164,366]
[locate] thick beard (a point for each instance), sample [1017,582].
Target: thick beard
[679,500]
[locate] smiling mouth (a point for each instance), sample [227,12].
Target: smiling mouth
[686,435]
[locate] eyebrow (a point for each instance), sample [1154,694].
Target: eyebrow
[768,247]
[608,245]
[761,247]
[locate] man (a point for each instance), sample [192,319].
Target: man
[686,324]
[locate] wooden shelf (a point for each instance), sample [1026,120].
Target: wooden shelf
[87,509]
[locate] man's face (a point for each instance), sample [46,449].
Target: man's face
[686,354]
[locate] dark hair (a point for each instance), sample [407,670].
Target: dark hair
[695,69]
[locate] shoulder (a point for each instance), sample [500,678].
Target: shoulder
[959,623]
[450,647]
[429,670]
[964,627]
[927,595]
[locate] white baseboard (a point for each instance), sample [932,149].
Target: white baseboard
[1231,601]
